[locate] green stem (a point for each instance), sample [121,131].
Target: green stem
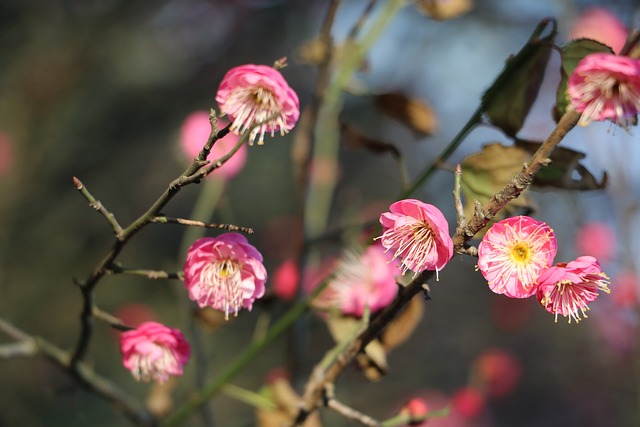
[474,120]
[239,363]
[327,132]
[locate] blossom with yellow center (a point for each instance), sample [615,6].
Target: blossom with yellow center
[513,253]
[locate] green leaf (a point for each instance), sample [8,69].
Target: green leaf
[572,53]
[508,101]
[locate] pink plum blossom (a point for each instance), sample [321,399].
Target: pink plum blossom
[596,239]
[153,351]
[497,372]
[417,409]
[225,273]
[567,288]
[606,87]
[285,280]
[258,95]
[418,233]
[597,23]
[194,133]
[625,286]
[361,280]
[513,253]
[468,402]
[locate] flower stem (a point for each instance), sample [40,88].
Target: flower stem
[474,120]
[240,362]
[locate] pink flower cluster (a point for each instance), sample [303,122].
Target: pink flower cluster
[225,273]
[258,97]
[153,351]
[516,256]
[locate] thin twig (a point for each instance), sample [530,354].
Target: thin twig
[181,221]
[519,182]
[18,349]
[107,262]
[98,206]
[320,376]
[346,411]
[460,218]
[84,374]
[149,274]
[355,30]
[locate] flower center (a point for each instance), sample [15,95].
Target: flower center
[155,364]
[221,281]
[521,252]
[415,244]
[255,106]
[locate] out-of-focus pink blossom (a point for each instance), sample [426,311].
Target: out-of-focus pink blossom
[153,351]
[625,289]
[567,288]
[134,314]
[513,253]
[437,401]
[417,408]
[600,24]
[468,402]
[194,133]
[225,273]
[258,95]
[285,280]
[596,239]
[419,235]
[6,154]
[604,86]
[362,280]
[497,372]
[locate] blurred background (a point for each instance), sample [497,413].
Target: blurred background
[99,89]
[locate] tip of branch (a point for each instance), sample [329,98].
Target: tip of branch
[77,183]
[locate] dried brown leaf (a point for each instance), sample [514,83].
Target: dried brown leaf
[402,327]
[441,10]
[411,112]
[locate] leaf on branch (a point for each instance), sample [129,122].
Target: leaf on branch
[401,328]
[441,10]
[414,113]
[159,400]
[565,166]
[210,318]
[572,53]
[354,139]
[486,172]
[286,402]
[508,101]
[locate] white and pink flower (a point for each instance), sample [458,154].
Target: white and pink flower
[225,273]
[567,288]
[513,253]
[604,86]
[258,95]
[361,280]
[418,233]
[153,351]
